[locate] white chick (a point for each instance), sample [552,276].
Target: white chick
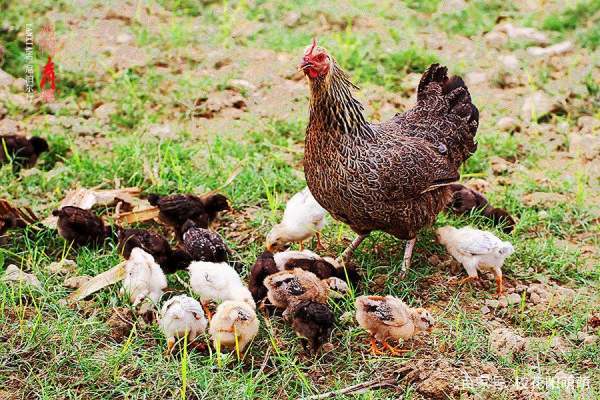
[234,321]
[390,318]
[144,279]
[476,249]
[283,257]
[303,217]
[180,316]
[217,282]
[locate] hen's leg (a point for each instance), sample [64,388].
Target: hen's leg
[350,249]
[410,245]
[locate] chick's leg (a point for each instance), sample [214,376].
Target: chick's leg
[408,250]
[170,344]
[319,243]
[374,349]
[345,256]
[301,243]
[393,350]
[206,310]
[499,283]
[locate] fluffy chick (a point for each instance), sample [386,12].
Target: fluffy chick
[80,226]
[143,278]
[389,318]
[154,244]
[234,321]
[313,322]
[176,209]
[263,267]
[180,316]
[203,244]
[465,200]
[286,288]
[22,151]
[303,217]
[218,282]
[476,249]
[323,267]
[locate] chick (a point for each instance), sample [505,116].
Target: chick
[7,222]
[323,267]
[218,282]
[143,278]
[22,151]
[180,316]
[233,326]
[263,267]
[176,209]
[80,226]
[476,249]
[313,322]
[303,217]
[154,244]
[286,288]
[202,244]
[465,200]
[389,318]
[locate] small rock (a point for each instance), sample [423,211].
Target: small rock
[164,131]
[492,303]
[538,293]
[75,282]
[14,274]
[485,310]
[476,77]
[585,145]
[523,33]
[86,113]
[104,111]
[504,342]
[509,62]
[9,126]
[590,339]
[291,19]
[503,302]
[513,298]
[496,39]
[507,124]
[243,83]
[499,165]
[54,107]
[588,124]
[434,260]
[63,267]
[327,347]
[123,38]
[19,85]
[478,184]
[6,79]
[538,105]
[559,48]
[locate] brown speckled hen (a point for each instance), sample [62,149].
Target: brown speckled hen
[80,226]
[389,176]
[22,151]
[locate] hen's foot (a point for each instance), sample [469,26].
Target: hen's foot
[345,256]
[408,250]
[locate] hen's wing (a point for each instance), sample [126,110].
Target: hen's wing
[444,116]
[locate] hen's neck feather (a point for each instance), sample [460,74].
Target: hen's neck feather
[333,108]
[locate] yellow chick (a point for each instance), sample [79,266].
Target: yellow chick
[233,322]
[390,318]
[180,316]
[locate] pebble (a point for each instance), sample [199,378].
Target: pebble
[63,267]
[14,274]
[492,303]
[507,124]
[6,79]
[559,48]
[537,105]
[509,61]
[513,298]
[485,310]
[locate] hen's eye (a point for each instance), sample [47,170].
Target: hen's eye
[321,57]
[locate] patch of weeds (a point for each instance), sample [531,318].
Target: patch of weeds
[572,17]
[424,6]
[477,17]
[189,8]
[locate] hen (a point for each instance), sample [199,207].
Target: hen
[80,226]
[22,151]
[391,176]
[476,249]
[303,217]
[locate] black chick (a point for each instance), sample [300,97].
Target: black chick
[263,267]
[465,199]
[322,268]
[177,209]
[313,322]
[7,222]
[154,244]
[80,226]
[202,244]
[24,152]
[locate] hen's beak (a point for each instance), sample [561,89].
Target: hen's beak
[304,64]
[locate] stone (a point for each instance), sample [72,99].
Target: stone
[504,342]
[15,275]
[513,298]
[499,165]
[104,111]
[63,267]
[523,33]
[543,199]
[509,61]
[559,48]
[496,39]
[485,310]
[475,78]
[6,79]
[507,124]
[492,303]
[585,145]
[537,105]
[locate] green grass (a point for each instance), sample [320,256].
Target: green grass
[51,350]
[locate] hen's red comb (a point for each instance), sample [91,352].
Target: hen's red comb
[312,47]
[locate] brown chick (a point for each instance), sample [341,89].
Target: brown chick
[465,199]
[313,322]
[203,244]
[154,244]
[263,267]
[322,267]
[80,226]
[389,318]
[287,288]
[22,151]
[213,204]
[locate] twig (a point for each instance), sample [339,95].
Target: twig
[264,363]
[356,389]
